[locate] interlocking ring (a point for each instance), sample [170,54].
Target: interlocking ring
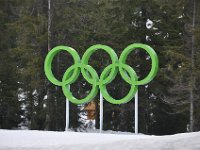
[106,77]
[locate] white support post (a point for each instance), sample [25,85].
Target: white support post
[101,113]
[136,112]
[67,115]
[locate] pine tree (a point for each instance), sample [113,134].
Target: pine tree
[10,106]
[30,34]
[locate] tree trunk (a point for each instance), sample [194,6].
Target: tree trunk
[48,83]
[192,74]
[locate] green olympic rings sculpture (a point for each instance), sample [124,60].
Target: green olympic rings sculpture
[106,77]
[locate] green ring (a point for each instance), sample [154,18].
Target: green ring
[131,92]
[49,59]
[87,56]
[66,84]
[107,76]
[154,60]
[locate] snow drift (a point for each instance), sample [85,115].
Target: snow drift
[47,140]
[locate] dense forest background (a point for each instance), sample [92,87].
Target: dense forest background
[29,29]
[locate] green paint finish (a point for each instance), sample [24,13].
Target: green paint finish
[106,77]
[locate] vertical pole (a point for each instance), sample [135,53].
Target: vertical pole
[101,112]
[67,115]
[192,69]
[136,112]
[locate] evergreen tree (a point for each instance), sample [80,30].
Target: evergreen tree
[10,106]
[30,34]
[28,30]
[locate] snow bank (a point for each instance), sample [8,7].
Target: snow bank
[47,140]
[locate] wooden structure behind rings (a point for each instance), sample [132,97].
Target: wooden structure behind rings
[90,110]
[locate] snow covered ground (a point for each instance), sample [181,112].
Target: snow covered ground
[47,140]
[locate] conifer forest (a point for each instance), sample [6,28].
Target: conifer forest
[29,29]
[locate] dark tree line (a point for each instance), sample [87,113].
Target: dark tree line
[29,29]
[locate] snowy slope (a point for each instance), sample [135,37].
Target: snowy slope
[46,140]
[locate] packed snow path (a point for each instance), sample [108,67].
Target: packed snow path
[47,140]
